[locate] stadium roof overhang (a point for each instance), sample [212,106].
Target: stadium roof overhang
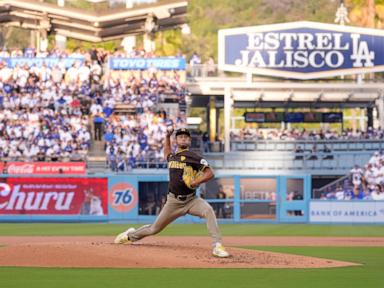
[288,94]
[93,26]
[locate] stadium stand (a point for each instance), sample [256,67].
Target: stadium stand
[41,113]
[136,141]
[361,183]
[123,111]
[64,105]
[303,134]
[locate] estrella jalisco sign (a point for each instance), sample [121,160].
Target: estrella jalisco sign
[301,50]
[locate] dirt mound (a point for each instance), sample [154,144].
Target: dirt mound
[153,252]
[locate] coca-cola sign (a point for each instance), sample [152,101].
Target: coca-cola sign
[24,168]
[20,168]
[54,196]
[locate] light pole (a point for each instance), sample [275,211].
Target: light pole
[342,14]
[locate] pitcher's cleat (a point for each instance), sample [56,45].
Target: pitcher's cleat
[219,251]
[123,238]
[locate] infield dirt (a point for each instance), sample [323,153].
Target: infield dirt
[167,252]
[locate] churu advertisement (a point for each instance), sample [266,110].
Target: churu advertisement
[54,196]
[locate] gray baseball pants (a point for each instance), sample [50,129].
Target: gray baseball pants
[174,209]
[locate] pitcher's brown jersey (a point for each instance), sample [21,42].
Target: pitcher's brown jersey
[176,164]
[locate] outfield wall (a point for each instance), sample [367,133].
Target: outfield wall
[139,198]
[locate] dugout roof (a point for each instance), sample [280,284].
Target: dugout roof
[290,94]
[92,26]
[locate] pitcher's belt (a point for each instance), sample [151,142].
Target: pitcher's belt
[183,197]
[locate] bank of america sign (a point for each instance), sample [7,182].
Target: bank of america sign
[301,50]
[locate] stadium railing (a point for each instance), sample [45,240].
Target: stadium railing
[306,145]
[334,163]
[338,163]
[204,71]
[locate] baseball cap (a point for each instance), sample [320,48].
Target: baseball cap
[183,131]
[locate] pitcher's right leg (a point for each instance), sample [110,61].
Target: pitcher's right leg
[170,212]
[199,207]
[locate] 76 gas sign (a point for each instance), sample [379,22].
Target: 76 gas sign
[123,197]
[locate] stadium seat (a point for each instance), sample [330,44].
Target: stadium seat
[280,146]
[298,164]
[261,146]
[289,146]
[344,146]
[270,146]
[250,146]
[241,147]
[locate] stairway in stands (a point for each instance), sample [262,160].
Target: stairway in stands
[97,157]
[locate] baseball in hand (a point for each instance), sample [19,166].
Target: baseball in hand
[170,130]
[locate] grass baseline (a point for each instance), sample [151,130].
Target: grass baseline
[106,229]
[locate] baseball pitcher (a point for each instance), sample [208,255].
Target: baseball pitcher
[187,171]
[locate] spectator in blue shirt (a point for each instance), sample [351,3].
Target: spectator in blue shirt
[98,122]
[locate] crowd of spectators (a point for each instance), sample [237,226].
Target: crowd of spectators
[144,89]
[43,134]
[41,116]
[136,141]
[99,55]
[363,183]
[301,154]
[48,112]
[44,110]
[304,134]
[198,68]
[93,54]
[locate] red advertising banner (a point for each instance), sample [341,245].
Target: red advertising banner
[1,167]
[54,196]
[46,168]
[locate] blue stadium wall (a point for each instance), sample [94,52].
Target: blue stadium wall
[117,199]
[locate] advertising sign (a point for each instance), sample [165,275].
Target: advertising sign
[293,117]
[346,212]
[257,117]
[54,196]
[145,63]
[49,61]
[21,168]
[301,50]
[123,197]
[333,117]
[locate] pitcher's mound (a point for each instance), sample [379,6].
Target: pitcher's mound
[154,252]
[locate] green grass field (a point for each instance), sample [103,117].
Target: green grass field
[368,275]
[55,229]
